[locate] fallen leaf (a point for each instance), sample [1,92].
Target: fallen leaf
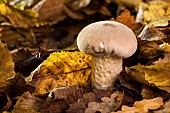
[154,75]
[62,69]
[54,8]
[55,106]
[82,103]
[165,59]
[149,49]
[127,19]
[69,94]
[9,103]
[143,106]
[151,33]
[107,105]
[166,108]
[155,9]
[149,92]
[27,103]
[6,67]
[17,18]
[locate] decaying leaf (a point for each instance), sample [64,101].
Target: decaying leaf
[18,18]
[28,103]
[151,33]
[69,94]
[149,49]
[153,49]
[143,106]
[127,19]
[154,10]
[107,105]
[56,106]
[155,75]
[62,69]
[82,103]
[165,59]
[6,67]
[149,92]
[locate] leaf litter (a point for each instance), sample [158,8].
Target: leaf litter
[62,82]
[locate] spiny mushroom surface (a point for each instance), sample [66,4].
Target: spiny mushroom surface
[108,42]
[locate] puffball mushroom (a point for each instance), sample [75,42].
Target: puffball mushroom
[108,42]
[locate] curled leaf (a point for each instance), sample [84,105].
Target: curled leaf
[155,75]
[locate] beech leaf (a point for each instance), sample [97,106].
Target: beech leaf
[62,69]
[154,75]
[143,106]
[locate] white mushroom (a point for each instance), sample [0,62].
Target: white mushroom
[108,42]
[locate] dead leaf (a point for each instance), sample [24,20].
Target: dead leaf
[165,59]
[154,75]
[95,96]
[9,104]
[78,4]
[17,18]
[50,10]
[143,106]
[149,49]
[107,105]
[62,69]
[69,94]
[154,10]
[56,106]
[82,103]
[127,19]
[28,103]
[149,92]
[166,108]
[151,33]
[6,67]
[17,37]
[160,22]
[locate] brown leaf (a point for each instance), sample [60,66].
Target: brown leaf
[94,96]
[7,65]
[28,103]
[82,103]
[143,106]
[149,92]
[8,104]
[56,106]
[50,10]
[107,105]
[151,33]
[69,94]
[127,19]
[17,37]
[165,59]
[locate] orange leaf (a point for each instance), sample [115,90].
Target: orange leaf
[127,19]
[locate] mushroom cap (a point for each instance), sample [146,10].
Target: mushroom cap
[108,38]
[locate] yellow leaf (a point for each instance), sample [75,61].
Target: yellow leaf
[155,9]
[155,75]
[63,69]
[155,12]
[6,66]
[19,18]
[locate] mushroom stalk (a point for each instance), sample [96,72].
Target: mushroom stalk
[105,71]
